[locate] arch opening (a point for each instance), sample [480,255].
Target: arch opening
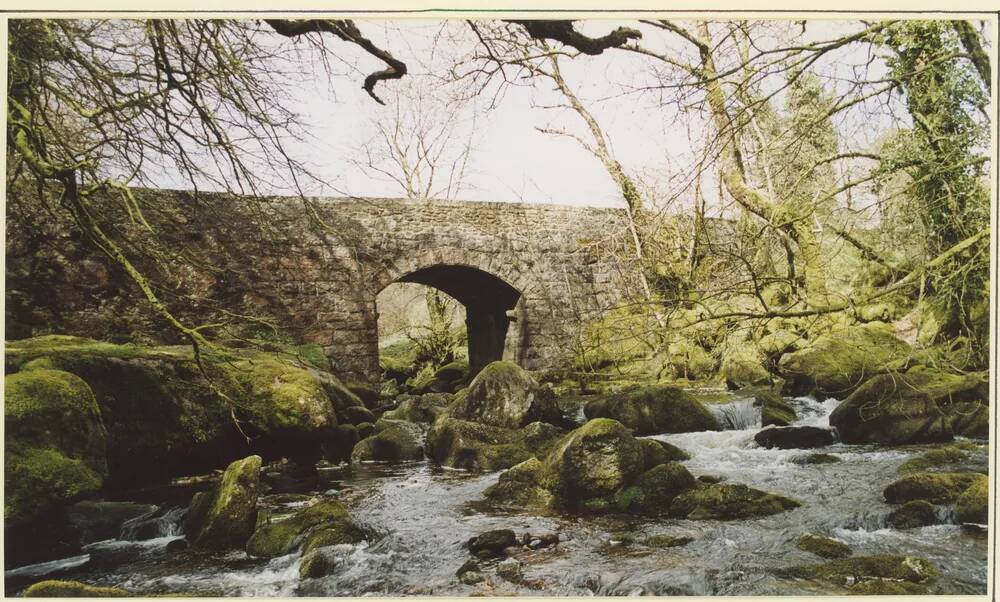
[488,302]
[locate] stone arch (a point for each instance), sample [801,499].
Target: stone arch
[490,303]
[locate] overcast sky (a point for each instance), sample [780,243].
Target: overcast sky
[511,160]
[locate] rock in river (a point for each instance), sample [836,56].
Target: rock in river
[654,410]
[224,517]
[795,437]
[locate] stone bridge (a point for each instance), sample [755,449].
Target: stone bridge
[529,275]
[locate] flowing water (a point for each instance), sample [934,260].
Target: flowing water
[425,514]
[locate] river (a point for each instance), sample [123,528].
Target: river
[425,514]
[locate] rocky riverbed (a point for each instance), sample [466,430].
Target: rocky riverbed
[415,520]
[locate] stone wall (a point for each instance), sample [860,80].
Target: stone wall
[315,267]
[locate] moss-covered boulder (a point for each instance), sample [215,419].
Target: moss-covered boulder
[72,589]
[863,568]
[424,408]
[594,461]
[824,547]
[597,467]
[392,441]
[224,518]
[655,489]
[915,513]
[163,417]
[447,379]
[774,411]
[654,410]
[837,363]
[55,443]
[725,501]
[973,505]
[687,359]
[322,524]
[523,486]
[476,446]
[504,395]
[920,406]
[657,452]
[934,487]
[935,458]
[316,564]
[743,366]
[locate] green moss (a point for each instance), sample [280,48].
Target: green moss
[654,410]
[860,568]
[283,396]
[520,486]
[279,537]
[39,480]
[837,363]
[594,460]
[659,452]
[743,366]
[55,409]
[315,565]
[668,541]
[629,498]
[660,485]
[823,546]
[471,445]
[724,501]
[934,458]
[774,410]
[393,441]
[934,487]
[72,589]
[504,394]
[231,511]
[973,505]
[920,406]
[915,513]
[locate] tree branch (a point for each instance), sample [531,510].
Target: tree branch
[346,30]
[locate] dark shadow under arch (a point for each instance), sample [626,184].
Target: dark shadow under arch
[486,298]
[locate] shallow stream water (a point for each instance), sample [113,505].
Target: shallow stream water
[425,514]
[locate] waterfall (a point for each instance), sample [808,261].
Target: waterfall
[738,415]
[162,522]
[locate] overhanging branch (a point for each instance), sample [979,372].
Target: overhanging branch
[346,30]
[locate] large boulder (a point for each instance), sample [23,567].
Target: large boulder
[795,437]
[597,467]
[55,445]
[914,513]
[774,411]
[654,410]
[743,366]
[393,441]
[594,461]
[837,363]
[879,568]
[728,501]
[973,505]
[164,418]
[934,487]
[920,406]
[424,408]
[322,524]
[504,395]
[474,446]
[225,516]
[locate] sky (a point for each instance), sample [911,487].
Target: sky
[510,159]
